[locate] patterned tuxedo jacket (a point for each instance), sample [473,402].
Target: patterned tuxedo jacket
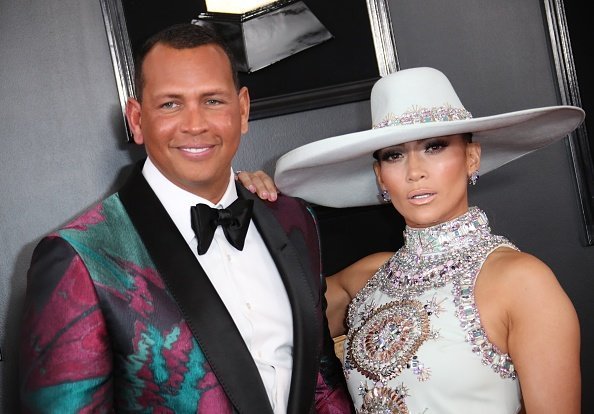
[120,317]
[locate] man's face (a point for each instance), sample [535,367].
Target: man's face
[191,117]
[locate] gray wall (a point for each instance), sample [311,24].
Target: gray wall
[63,144]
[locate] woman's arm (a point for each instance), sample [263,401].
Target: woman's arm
[543,336]
[345,284]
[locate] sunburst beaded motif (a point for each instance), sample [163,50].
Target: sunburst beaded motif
[383,400]
[382,347]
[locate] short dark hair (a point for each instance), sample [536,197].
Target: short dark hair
[180,36]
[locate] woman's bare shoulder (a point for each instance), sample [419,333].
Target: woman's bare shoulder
[516,275]
[353,277]
[510,265]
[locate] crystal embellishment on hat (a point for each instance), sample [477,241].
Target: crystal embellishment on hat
[418,115]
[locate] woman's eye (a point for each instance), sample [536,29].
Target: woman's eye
[435,146]
[391,156]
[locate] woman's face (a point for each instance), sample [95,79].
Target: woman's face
[428,179]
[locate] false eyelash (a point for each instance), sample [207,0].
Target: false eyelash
[437,143]
[388,154]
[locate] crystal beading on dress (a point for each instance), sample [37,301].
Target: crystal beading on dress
[389,321]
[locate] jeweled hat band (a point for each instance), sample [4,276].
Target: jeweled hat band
[418,115]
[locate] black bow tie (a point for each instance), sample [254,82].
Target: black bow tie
[234,219]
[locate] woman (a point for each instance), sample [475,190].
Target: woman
[458,320]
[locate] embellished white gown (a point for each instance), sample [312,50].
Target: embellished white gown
[415,342]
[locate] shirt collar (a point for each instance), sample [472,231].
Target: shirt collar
[177,201]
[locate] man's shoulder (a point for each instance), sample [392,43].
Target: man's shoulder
[291,209]
[106,226]
[286,201]
[80,230]
[99,223]
[99,212]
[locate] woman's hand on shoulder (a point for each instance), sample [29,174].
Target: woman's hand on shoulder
[344,285]
[258,182]
[543,333]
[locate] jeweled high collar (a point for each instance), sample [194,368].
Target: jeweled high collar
[461,232]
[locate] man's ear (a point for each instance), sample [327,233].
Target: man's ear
[133,115]
[473,157]
[244,108]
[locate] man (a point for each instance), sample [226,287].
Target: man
[131,308]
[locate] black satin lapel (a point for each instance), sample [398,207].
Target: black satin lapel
[198,300]
[307,332]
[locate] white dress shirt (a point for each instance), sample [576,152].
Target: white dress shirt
[247,281]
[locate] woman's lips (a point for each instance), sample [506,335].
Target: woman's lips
[421,197]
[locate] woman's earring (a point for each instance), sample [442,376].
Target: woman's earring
[385,196]
[472,180]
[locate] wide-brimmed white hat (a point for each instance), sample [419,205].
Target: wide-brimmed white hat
[408,105]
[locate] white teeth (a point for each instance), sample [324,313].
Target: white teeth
[194,150]
[421,196]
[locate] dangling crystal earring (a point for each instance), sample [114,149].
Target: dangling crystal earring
[385,196]
[472,180]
